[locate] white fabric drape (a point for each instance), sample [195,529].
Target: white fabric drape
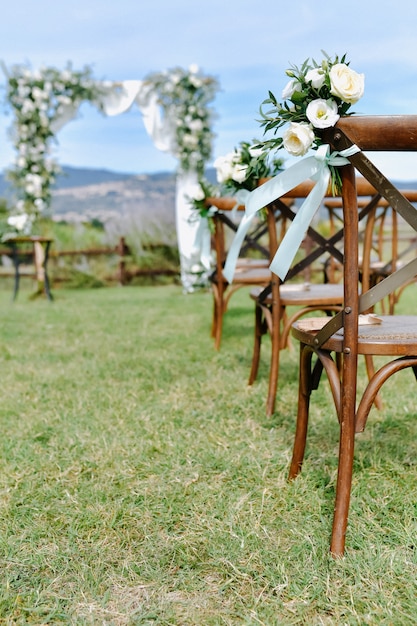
[193,234]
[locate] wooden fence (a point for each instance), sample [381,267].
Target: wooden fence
[123,275]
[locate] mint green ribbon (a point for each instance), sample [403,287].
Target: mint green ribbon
[316,168]
[241,198]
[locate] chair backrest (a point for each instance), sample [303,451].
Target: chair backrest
[369,133]
[263,236]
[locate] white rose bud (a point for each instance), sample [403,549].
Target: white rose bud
[316,77]
[290,88]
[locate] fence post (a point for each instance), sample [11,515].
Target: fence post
[122,250]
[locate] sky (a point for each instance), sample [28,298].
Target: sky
[245,45]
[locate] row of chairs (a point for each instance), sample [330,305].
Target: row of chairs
[357,270]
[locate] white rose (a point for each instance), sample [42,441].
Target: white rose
[39,94]
[17,221]
[196,126]
[190,141]
[316,77]
[298,138]
[195,81]
[224,167]
[290,88]
[322,113]
[346,84]
[196,192]
[239,173]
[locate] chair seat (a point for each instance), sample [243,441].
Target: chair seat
[305,294]
[252,276]
[243,263]
[396,335]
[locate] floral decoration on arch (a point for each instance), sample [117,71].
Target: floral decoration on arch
[314,98]
[184,96]
[40,99]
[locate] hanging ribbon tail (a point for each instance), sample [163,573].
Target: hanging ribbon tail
[282,184]
[260,198]
[315,167]
[320,173]
[294,236]
[203,239]
[233,254]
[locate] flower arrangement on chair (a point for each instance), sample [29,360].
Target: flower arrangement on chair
[314,98]
[237,171]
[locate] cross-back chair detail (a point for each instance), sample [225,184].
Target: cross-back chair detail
[250,270]
[338,344]
[272,303]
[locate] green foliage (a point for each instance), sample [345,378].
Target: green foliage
[4,214]
[38,98]
[302,91]
[184,96]
[141,482]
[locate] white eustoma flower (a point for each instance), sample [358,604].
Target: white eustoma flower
[298,138]
[322,113]
[28,107]
[33,184]
[345,83]
[39,94]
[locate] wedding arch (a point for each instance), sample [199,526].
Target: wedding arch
[176,111]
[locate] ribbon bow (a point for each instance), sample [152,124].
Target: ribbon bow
[315,167]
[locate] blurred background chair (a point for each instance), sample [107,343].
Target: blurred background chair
[338,343]
[252,267]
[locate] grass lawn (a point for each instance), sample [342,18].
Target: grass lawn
[141,482]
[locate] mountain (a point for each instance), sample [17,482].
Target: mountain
[83,194]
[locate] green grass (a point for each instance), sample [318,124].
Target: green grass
[141,482]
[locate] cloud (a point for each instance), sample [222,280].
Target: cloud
[246,45]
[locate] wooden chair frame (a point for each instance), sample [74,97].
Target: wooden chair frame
[250,271]
[396,338]
[272,302]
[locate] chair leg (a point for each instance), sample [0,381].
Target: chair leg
[304,393]
[217,321]
[345,468]
[259,331]
[343,487]
[275,358]
[277,312]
